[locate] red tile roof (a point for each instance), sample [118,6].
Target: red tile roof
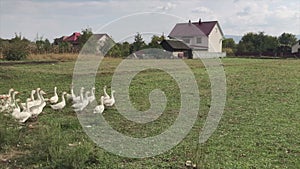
[73,37]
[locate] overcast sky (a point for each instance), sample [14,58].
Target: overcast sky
[54,18]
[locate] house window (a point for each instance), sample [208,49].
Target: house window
[199,40]
[186,40]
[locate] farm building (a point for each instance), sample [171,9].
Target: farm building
[101,40]
[178,48]
[73,39]
[204,38]
[296,47]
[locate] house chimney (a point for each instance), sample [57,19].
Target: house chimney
[200,21]
[190,22]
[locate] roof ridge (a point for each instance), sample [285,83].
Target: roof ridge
[197,22]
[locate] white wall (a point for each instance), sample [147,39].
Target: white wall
[215,40]
[193,42]
[296,47]
[212,43]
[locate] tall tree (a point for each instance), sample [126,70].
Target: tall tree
[228,43]
[86,34]
[257,43]
[125,49]
[40,46]
[138,43]
[270,43]
[155,41]
[47,46]
[115,51]
[247,43]
[287,39]
[229,46]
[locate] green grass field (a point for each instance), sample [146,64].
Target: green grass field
[260,127]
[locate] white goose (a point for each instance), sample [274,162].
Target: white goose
[31,102]
[5,96]
[21,116]
[84,102]
[6,100]
[12,104]
[99,108]
[80,97]
[37,91]
[37,109]
[106,96]
[32,95]
[54,99]
[92,97]
[72,95]
[110,102]
[17,108]
[60,105]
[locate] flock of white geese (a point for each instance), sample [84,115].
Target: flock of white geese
[36,103]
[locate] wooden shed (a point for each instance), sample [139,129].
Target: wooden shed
[178,48]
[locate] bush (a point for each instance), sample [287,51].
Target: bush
[229,51]
[16,51]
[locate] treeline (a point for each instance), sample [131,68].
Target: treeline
[125,49]
[259,44]
[18,48]
[252,44]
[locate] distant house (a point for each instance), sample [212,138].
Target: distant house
[73,39]
[201,37]
[102,42]
[178,48]
[296,47]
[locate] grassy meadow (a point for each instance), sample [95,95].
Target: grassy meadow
[260,127]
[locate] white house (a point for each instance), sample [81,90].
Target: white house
[296,47]
[201,37]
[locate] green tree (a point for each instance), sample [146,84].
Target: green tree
[287,39]
[228,43]
[270,44]
[64,47]
[138,43]
[257,44]
[86,34]
[155,41]
[115,51]
[229,46]
[4,45]
[125,48]
[47,46]
[40,46]
[120,50]
[246,44]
